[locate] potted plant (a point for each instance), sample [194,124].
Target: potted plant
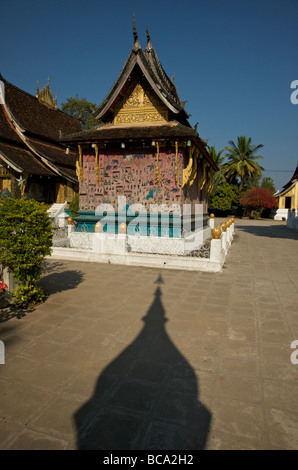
[3,288]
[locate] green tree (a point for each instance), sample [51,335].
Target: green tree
[241,160]
[224,197]
[267,182]
[218,158]
[81,109]
[251,182]
[25,239]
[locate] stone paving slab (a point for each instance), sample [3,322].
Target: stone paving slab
[137,358]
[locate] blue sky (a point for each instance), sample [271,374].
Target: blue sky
[233,60]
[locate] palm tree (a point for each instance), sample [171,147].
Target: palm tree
[241,161]
[218,158]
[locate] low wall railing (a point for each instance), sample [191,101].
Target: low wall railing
[222,237]
[103,247]
[292,220]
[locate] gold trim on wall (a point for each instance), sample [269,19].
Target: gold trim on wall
[202,180]
[194,168]
[210,183]
[79,166]
[188,170]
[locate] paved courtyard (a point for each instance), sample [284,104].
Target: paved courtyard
[136,358]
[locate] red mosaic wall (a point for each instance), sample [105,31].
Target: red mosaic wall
[130,175]
[134,176]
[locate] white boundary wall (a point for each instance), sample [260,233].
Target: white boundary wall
[114,249]
[292,220]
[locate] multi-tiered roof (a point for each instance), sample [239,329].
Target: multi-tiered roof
[29,135]
[142,104]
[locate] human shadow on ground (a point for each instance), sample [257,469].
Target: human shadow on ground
[146,398]
[270,231]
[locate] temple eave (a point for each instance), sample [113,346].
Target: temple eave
[134,132]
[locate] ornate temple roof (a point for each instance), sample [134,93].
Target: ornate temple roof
[143,104]
[29,134]
[170,130]
[144,62]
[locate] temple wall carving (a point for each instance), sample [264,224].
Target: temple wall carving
[133,176]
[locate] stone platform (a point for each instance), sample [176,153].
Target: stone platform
[126,358]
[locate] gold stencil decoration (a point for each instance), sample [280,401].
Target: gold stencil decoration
[188,170]
[210,182]
[202,180]
[79,166]
[194,168]
[140,105]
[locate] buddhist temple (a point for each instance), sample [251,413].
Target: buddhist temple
[33,162]
[144,147]
[287,197]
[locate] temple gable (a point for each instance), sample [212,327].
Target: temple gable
[140,106]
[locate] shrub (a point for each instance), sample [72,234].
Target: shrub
[25,239]
[257,199]
[74,206]
[223,197]
[5,193]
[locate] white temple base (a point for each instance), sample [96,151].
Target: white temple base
[281,213]
[169,254]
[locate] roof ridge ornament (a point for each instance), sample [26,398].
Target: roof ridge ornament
[45,95]
[149,45]
[136,45]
